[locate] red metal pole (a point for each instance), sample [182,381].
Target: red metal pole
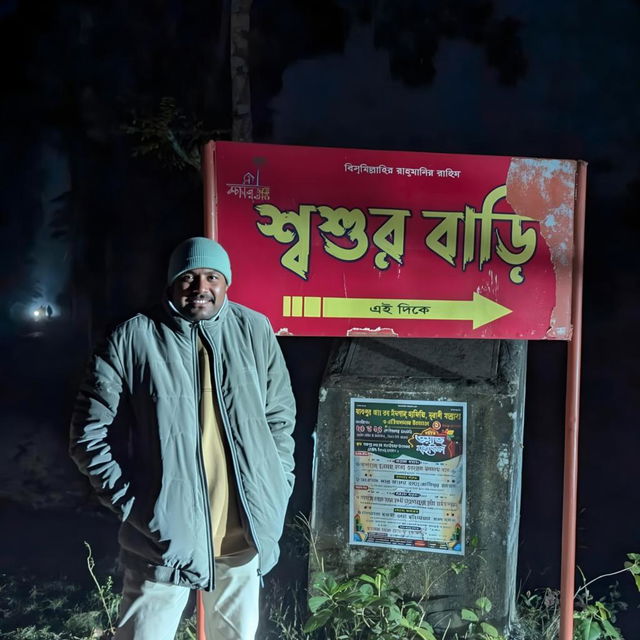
[209,183]
[572,412]
[201,635]
[210,231]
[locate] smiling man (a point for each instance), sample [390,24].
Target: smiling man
[183,426]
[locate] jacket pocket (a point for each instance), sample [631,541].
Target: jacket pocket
[264,480]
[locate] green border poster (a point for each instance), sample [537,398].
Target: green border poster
[408,474]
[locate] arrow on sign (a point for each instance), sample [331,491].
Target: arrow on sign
[479,310]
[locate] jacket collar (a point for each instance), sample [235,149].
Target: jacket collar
[184,325]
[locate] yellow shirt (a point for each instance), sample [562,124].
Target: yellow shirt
[226,522]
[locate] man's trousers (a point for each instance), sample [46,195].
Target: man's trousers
[152,611]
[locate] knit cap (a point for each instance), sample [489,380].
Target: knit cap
[198,253]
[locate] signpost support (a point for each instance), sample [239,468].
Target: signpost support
[210,231]
[572,412]
[209,187]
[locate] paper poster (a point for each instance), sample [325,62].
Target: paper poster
[407,486]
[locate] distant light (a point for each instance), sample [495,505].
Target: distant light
[43,312]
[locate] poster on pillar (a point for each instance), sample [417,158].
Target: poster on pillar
[354,242]
[408,474]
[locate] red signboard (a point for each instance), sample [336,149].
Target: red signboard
[353,242]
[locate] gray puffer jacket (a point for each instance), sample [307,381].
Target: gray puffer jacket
[135,433]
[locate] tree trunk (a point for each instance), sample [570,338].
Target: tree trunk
[239,21]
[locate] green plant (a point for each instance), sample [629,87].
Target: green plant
[478,628]
[104,592]
[369,606]
[539,614]
[594,619]
[110,602]
[365,607]
[285,610]
[187,629]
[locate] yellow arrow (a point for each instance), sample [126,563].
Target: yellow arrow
[479,310]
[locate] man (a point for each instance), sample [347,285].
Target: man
[183,425]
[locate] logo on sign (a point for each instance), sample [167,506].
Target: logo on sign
[249,187]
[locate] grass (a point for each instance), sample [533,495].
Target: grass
[32,609]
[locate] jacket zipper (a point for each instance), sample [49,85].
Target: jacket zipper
[232,449]
[203,477]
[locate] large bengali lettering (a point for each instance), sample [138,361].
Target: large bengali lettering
[289,227]
[443,238]
[294,228]
[341,222]
[389,237]
[347,237]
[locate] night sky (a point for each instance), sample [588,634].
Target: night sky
[87,220]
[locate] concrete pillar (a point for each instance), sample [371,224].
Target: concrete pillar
[487,375]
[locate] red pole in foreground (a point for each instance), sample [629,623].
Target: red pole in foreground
[209,195]
[572,412]
[200,630]
[210,231]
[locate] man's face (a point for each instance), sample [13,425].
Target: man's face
[199,293]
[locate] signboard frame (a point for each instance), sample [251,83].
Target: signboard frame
[355,242]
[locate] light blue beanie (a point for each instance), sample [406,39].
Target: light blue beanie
[198,253]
